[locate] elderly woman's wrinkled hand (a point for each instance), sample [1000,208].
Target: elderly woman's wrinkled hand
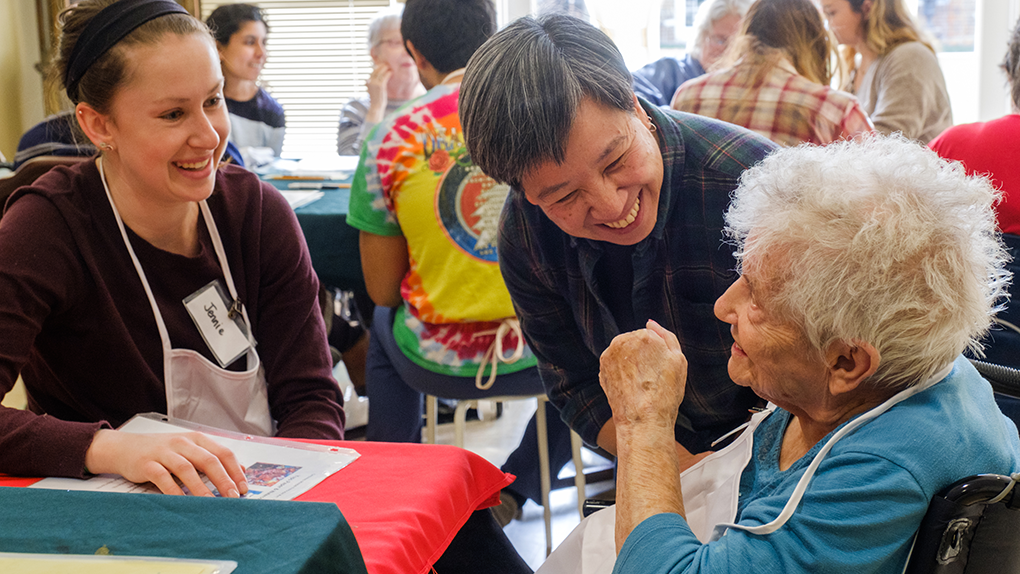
[644,375]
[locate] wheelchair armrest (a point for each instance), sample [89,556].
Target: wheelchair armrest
[593,505]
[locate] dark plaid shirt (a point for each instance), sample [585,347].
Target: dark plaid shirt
[680,269]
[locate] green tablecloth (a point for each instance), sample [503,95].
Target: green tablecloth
[262,536]
[332,243]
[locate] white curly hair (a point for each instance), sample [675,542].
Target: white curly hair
[879,240]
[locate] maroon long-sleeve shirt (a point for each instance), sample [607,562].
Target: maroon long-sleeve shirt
[75,321]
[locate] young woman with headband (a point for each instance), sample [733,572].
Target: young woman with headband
[142,281]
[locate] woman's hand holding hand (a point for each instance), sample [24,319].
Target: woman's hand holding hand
[158,458]
[644,374]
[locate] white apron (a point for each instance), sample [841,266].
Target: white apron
[196,389]
[711,490]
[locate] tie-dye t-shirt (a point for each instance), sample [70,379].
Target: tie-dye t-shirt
[416,179]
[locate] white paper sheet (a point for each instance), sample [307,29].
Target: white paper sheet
[276,469]
[297,198]
[321,166]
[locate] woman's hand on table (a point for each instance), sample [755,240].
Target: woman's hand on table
[644,375]
[158,458]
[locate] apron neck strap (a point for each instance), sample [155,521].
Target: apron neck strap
[798,492]
[214,234]
[221,255]
[160,325]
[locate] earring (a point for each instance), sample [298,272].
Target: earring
[106,146]
[651,127]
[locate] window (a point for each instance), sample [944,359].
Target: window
[676,21]
[318,60]
[950,22]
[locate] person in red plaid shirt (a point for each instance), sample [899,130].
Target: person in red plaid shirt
[778,82]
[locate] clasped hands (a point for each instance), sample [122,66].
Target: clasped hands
[158,458]
[644,375]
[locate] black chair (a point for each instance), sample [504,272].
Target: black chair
[971,527]
[1006,385]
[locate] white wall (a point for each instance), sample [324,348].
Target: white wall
[960,70]
[510,10]
[977,87]
[995,19]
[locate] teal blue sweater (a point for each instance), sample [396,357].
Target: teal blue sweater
[866,500]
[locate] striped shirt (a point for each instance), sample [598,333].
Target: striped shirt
[785,107]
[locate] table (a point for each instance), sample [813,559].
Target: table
[332,243]
[283,536]
[404,504]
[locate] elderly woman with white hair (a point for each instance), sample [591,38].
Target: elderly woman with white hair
[715,23]
[866,269]
[393,81]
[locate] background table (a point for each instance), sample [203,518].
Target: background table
[332,244]
[404,502]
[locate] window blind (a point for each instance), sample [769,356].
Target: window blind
[317,60]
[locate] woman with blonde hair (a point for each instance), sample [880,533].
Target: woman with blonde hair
[776,82]
[891,67]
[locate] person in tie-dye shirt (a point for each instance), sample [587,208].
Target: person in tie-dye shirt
[444,323]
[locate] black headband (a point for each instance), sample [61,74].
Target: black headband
[107,28]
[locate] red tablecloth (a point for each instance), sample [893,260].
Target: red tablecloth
[404,502]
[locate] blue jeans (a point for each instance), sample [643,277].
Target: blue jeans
[396,387]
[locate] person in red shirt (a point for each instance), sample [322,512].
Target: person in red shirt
[991,148]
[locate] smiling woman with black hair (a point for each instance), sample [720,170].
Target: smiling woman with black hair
[256,119]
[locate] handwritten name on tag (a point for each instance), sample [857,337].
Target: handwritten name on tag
[227,337]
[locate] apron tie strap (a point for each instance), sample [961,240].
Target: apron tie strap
[494,354]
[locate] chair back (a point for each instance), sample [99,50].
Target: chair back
[971,527]
[30,171]
[1006,385]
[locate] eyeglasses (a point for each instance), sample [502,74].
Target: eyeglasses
[392,43]
[718,40]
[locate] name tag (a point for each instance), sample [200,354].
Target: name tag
[226,335]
